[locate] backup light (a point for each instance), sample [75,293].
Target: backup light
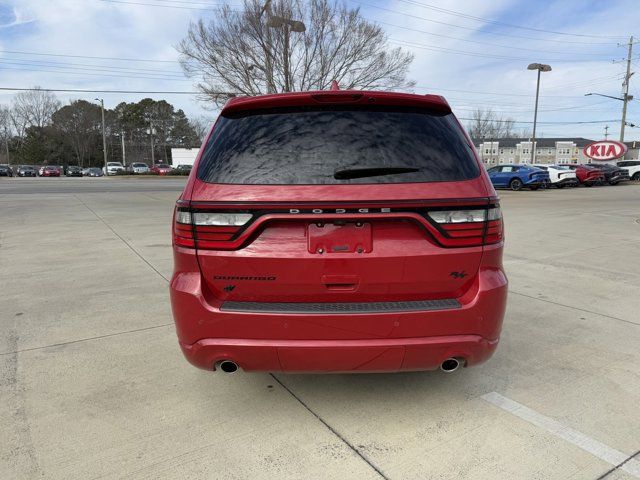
[221,219]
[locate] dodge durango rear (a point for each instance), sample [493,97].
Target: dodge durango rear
[340,231]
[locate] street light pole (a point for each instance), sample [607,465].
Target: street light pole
[288,25]
[540,67]
[104,136]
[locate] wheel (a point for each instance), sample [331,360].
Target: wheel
[588,184]
[515,184]
[613,183]
[636,177]
[534,187]
[560,186]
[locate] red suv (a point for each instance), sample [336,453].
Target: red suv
[338,231]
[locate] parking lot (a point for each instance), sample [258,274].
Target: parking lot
[93,385]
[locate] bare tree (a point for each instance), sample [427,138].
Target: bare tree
[290,45]
[487,124]
[33,108]
[5,132]
[200,126]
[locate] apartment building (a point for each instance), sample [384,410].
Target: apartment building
[518,150]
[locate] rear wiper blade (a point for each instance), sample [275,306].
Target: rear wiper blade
[349,173]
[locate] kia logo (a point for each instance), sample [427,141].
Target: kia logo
[605,150]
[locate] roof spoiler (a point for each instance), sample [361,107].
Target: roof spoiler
[336,96]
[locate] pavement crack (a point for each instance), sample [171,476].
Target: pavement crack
[620,465]
[574,308]
[331,429]
[121,238]
[97,337]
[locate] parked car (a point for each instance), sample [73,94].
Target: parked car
[6,171]
[93,172]
[26,171]
[74,171]
[632,167]
[184,168]
[517,177]
[588,175]
[614,174]
[161,168]
[50,171]
[559,176]
[305,243]
[114,167]
[139,167]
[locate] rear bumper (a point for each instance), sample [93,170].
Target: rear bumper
[567,181]
[536,182]
[347,342]
[325,356]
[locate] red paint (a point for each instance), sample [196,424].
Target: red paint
[605,150]
[587,174]
[377,256]
[161,169]
[50,172]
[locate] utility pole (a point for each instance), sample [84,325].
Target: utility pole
[625,85]
[104,136]
[151,132]
[124,156]
[606,132]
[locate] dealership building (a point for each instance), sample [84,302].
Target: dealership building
[548,150]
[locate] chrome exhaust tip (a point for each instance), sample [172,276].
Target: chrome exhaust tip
[227,366]
[450,365]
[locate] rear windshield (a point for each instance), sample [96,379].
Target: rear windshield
[337,146]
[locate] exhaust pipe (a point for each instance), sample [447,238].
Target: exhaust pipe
[450,365]
[227,366]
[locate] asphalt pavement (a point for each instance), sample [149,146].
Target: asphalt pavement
[93,385]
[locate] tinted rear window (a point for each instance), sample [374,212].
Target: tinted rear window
[308,146]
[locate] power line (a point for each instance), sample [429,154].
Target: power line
[78,90]
[94,68]
[358,2]
[547,123]
[120,59]
[181,7]
[496,22]
[490,44]
[97,74]
[435,48]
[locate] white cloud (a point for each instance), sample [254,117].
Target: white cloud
[108,29]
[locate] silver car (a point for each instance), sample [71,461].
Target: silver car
[139,167]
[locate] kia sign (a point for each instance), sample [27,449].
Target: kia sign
[605,150]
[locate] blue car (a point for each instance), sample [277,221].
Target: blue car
[517,177]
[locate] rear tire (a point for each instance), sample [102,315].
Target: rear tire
[559,186]
[535,187]
[515,184]
[588,184]
[636,177]
[613,183]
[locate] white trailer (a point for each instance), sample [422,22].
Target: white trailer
[183,156]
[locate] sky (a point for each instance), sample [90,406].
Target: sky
[474,53]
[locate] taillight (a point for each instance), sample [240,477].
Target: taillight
[206,230]
[467,228]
